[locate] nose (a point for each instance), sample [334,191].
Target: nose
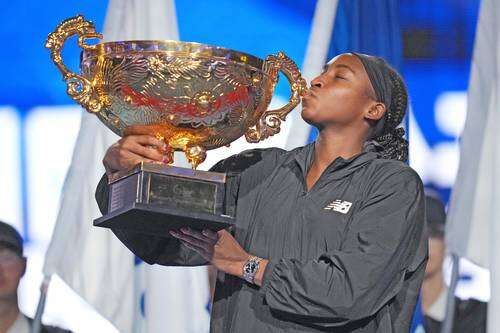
[316,82]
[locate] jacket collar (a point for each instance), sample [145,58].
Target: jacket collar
[339,168]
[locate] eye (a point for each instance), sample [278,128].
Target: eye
[340,77]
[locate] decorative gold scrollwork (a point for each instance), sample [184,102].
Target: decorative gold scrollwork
[270,121]
[195,97]
[79,88]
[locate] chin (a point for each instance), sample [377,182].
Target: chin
[311,120]
[5,293]
[308,115]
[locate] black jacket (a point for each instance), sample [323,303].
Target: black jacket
[470,316]
[347,256]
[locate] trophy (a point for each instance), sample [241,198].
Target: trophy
[192,96]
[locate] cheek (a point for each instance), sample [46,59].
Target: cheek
[431,266]
[8,285]
[341,104]
[436,255]
[9,280]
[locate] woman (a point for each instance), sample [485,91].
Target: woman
[329,236]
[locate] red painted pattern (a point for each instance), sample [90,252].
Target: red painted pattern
[238,96]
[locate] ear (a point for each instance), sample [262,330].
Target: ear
[24,261]
[376,111]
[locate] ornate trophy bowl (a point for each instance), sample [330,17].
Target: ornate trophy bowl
[194,97]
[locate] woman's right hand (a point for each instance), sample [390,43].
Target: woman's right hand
[133,149]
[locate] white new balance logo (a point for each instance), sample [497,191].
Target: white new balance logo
[339,206]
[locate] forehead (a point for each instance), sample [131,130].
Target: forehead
[346,59]
[4,248]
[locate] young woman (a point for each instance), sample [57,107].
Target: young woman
[329,236]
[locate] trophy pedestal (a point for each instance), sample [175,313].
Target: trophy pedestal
[153,199]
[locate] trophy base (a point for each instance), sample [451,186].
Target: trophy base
[153,199]
[158,221]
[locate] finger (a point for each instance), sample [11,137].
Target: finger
[224,233]
[146,152]
[144,140]
[187,243]
[122,161]
[200,247]
[137,130]
[175,233]
[194,241]
[210,234]
[127,160]
[198,235]
[148,140]
[195,248]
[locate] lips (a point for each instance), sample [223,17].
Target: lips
[305,101]
[307,96]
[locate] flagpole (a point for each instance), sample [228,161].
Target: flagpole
[316,53]
[138,293]
[37,321]
[450,301]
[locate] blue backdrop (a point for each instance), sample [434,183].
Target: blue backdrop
[436,38]
[429,41]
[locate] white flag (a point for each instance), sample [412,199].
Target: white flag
[473,225]
[316,53]
[92,261]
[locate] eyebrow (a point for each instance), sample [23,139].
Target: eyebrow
[345,66]
[326,66]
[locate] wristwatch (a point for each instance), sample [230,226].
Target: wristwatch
[250,268]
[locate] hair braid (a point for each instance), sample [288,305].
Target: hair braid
[392,140]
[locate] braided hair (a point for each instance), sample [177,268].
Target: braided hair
[387,138]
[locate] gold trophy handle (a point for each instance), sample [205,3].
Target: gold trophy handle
[270,121]
[78,88]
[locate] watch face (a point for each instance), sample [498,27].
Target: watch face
[251,267]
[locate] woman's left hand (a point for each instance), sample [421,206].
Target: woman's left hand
[220,248]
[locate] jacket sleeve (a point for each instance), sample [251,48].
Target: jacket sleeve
[368,270]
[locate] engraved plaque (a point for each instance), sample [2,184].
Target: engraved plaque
[179,193]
